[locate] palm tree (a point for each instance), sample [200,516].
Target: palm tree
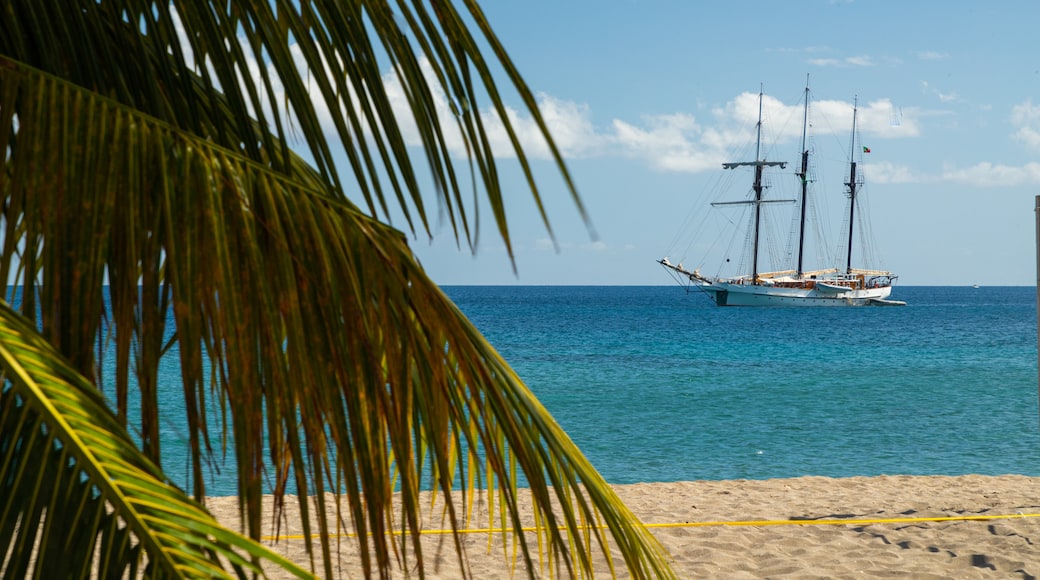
[174,151]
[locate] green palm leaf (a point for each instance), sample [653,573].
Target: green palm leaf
[76,493]
[310,342]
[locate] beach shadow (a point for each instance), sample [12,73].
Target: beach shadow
[1003,531]
[982,561]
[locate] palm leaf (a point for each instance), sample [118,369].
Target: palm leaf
[75,491]
[305,329]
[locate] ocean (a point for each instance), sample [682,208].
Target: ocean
[657,384]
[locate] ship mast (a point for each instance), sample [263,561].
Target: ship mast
[759,165]
[852,186]
[804,175]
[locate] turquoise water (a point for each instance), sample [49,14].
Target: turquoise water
[655,384]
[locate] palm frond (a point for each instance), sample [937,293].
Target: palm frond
[78,498]
[258,95]
[332,361]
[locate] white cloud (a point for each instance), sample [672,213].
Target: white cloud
[825,61]
[983,174]
[986,174]
[667,142]
[1026,119]
[679,142]
[876,119]
[859,61]
[848,61]
[670,142]
[886,172]
[569,123]
[932,55]
[943,96]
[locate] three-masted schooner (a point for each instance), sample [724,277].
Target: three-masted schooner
[836,286]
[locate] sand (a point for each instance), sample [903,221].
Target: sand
[887,529]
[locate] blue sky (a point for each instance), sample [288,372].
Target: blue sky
[645,96]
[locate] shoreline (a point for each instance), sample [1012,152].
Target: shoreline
[938,526]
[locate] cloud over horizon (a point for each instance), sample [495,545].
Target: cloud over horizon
[685,143]
[1026,118]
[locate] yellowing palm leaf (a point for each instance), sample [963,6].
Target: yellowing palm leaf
[304,329]
[76,493]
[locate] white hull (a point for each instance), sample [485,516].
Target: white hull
[725,294]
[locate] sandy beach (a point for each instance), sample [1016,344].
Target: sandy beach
[887,526]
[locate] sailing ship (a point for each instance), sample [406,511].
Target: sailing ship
[840,285]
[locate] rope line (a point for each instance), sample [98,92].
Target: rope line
[821,522]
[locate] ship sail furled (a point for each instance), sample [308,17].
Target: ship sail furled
[835,285]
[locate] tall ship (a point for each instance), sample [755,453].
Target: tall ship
[837,284]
